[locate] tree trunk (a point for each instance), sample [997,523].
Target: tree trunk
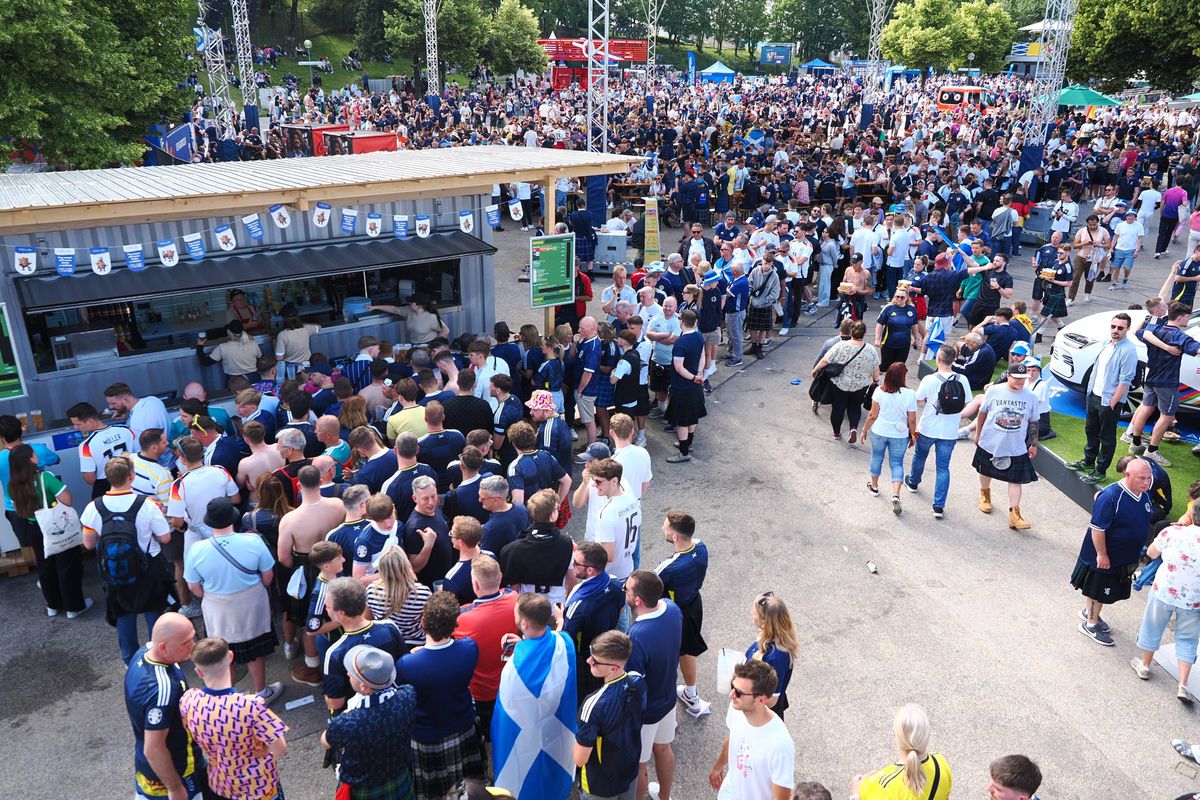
[292,15]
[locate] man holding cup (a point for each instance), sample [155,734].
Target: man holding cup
[995,290]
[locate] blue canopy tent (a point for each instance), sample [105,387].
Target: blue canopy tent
[817,65]
[717,73]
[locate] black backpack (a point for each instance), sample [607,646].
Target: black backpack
[119,557]
[951,397]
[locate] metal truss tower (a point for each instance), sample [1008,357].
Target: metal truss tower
[597,64]
[431,8]
[653,11]
[1055,41]
[212,49]
[244,51]
[873,78]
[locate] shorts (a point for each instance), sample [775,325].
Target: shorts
[191,538]
[692,643]
[660,379]
[661,732]
[585,407]
[1104,587]
[1164,398]
[1122,259]
[713,337]
[1154,624]
[1039,289]
[173,549]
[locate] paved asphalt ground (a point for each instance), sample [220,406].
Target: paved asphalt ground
[974,622]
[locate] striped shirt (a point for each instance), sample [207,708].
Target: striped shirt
[408,618]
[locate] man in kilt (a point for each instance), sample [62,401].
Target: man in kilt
[580,223]
[371,740]
[1112,547]
[444,744]
[1054,290]
[764,293]
[1006,442]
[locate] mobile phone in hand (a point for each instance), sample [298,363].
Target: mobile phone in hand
[508,651]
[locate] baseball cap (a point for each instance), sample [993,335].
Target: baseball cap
[1017,369]
[594,452]
[856,257]
[1122,204]
[712,276]
[1131,213]
[1022,349]
[371,666]
[655,267]
[322,367]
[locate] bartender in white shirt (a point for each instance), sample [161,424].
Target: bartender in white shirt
[1064,213]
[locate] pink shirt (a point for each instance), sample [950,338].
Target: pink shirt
[234,730]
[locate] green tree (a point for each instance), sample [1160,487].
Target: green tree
[1025,12]
[985,29]
[749,25]
[922,34]
[819,28]
[511,42]
[369,34]
[460,24]
[85,78]
[1158,40]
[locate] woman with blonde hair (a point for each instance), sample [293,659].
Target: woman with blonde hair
[397,597]
[776,644]
[919,775]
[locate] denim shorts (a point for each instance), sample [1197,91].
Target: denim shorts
[1154,624]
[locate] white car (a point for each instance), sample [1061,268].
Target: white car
[1076,346]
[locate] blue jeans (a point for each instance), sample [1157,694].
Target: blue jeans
[1015,245]
[127,633]
[943,449]
[1154,624]
[895,447]
[1000,244]
[965,311]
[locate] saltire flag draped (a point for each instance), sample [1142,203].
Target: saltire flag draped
[533,725]
[960,255]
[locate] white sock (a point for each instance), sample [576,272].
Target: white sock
[689,691]
[710,370]
[312,661]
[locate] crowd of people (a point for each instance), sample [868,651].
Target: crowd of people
[395,519]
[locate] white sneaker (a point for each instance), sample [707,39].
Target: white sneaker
[784,331]
[51,612]
[1156,457]
[1070,302]
[271,692]
[191,610]
[964,433]
[574,436]
[696,707]
[641,439]
[291,650]
[87,603]
[1126,437]
[1087,298]
[652,789]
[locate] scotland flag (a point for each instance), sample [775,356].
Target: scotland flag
[533,726]
[936,337]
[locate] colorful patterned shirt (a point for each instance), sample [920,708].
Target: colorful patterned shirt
[1177,582]
[234,730]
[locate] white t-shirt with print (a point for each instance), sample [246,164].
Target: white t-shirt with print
[759,758]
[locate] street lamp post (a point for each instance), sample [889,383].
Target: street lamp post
[308,51]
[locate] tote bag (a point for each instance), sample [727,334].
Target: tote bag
[59,525]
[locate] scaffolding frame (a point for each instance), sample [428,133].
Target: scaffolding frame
[597,65]
[433,66]
[653,12]
[873,78]
[244,52]
[1055,41]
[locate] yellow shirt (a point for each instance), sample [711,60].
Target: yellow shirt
[888,783]
[407,420]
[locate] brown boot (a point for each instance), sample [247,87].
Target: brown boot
[985,500]
[1016,521]
[310,676]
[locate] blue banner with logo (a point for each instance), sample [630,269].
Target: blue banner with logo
[691,68]
[493,216]
[194,242]
[400,225]
[374,224]
[349,220]
[254,226]
[135,257]
[64,260]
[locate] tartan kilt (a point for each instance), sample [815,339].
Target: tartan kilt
[604,390]
[1020,470]
[585,249]
[258,647]
[397,787]
[760,319]
[440,766]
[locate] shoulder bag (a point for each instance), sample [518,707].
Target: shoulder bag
[835,368]
[59,524]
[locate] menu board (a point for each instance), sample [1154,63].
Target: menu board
[552,270]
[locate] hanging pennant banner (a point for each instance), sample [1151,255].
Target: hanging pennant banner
[135,259]
[400,225]
[226,239]
[320,216]
[194,242]
[25,262]
[374,224]
[514,209]
[281,216]
[101,261]
[349,220]
[254,226]
[64,260]
[466,221]
[168,253]
[493,216]
[423,226]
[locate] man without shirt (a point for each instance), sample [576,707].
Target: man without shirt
[299,530]
[263,458]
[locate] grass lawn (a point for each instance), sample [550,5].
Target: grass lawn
[677,57]
[1184,469]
